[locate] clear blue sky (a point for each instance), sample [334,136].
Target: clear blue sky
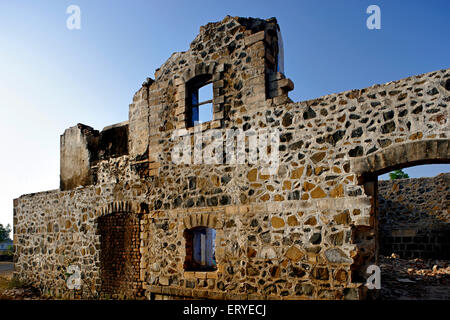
[52,78]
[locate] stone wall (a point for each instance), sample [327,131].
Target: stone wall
[75,157]
[82,147]
[305,231]
[414,217]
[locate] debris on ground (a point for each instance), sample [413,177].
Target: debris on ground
[20,294]
[11,289]
[414,279]
[401,279]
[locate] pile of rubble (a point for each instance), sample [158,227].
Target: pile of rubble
[20,294]
[11,289]
[414,279]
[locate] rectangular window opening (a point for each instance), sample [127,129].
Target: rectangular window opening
[201,103]
[200,249]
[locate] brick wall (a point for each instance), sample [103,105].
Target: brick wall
[119,253]
[414,217]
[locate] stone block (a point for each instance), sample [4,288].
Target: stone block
[219,100]
[259,36]
[443,149]
[201,275]
[294,253]
[179,82]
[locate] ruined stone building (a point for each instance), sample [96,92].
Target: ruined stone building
[137,223]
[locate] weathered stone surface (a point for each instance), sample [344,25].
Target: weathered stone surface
[311,221]
[337,256]
[292,221]
[413,217]
[252,174]
[76,143]
[277,222]
[318,193]
[320,273]
[294,253]
[268,253]
[342,218]
[297,173]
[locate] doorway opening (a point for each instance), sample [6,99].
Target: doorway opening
[413,216]
[119,254]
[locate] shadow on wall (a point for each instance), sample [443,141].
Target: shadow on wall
[414,217]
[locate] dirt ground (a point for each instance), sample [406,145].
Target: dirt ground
[414,279]
[401,279]
[6,269]
[12,290]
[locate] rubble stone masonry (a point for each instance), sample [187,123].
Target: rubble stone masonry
[414,217]
[307,231]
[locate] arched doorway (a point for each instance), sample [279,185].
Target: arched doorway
[411,219]
[120,254]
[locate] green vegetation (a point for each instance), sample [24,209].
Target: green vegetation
[4,232]
[398,174]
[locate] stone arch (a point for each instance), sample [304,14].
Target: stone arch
[201,220]
[118,228]
[368,168]
[400,156]
[200,69]
[196,222]
[212,70]
[116,207]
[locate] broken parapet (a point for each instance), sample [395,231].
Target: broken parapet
[81,147]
